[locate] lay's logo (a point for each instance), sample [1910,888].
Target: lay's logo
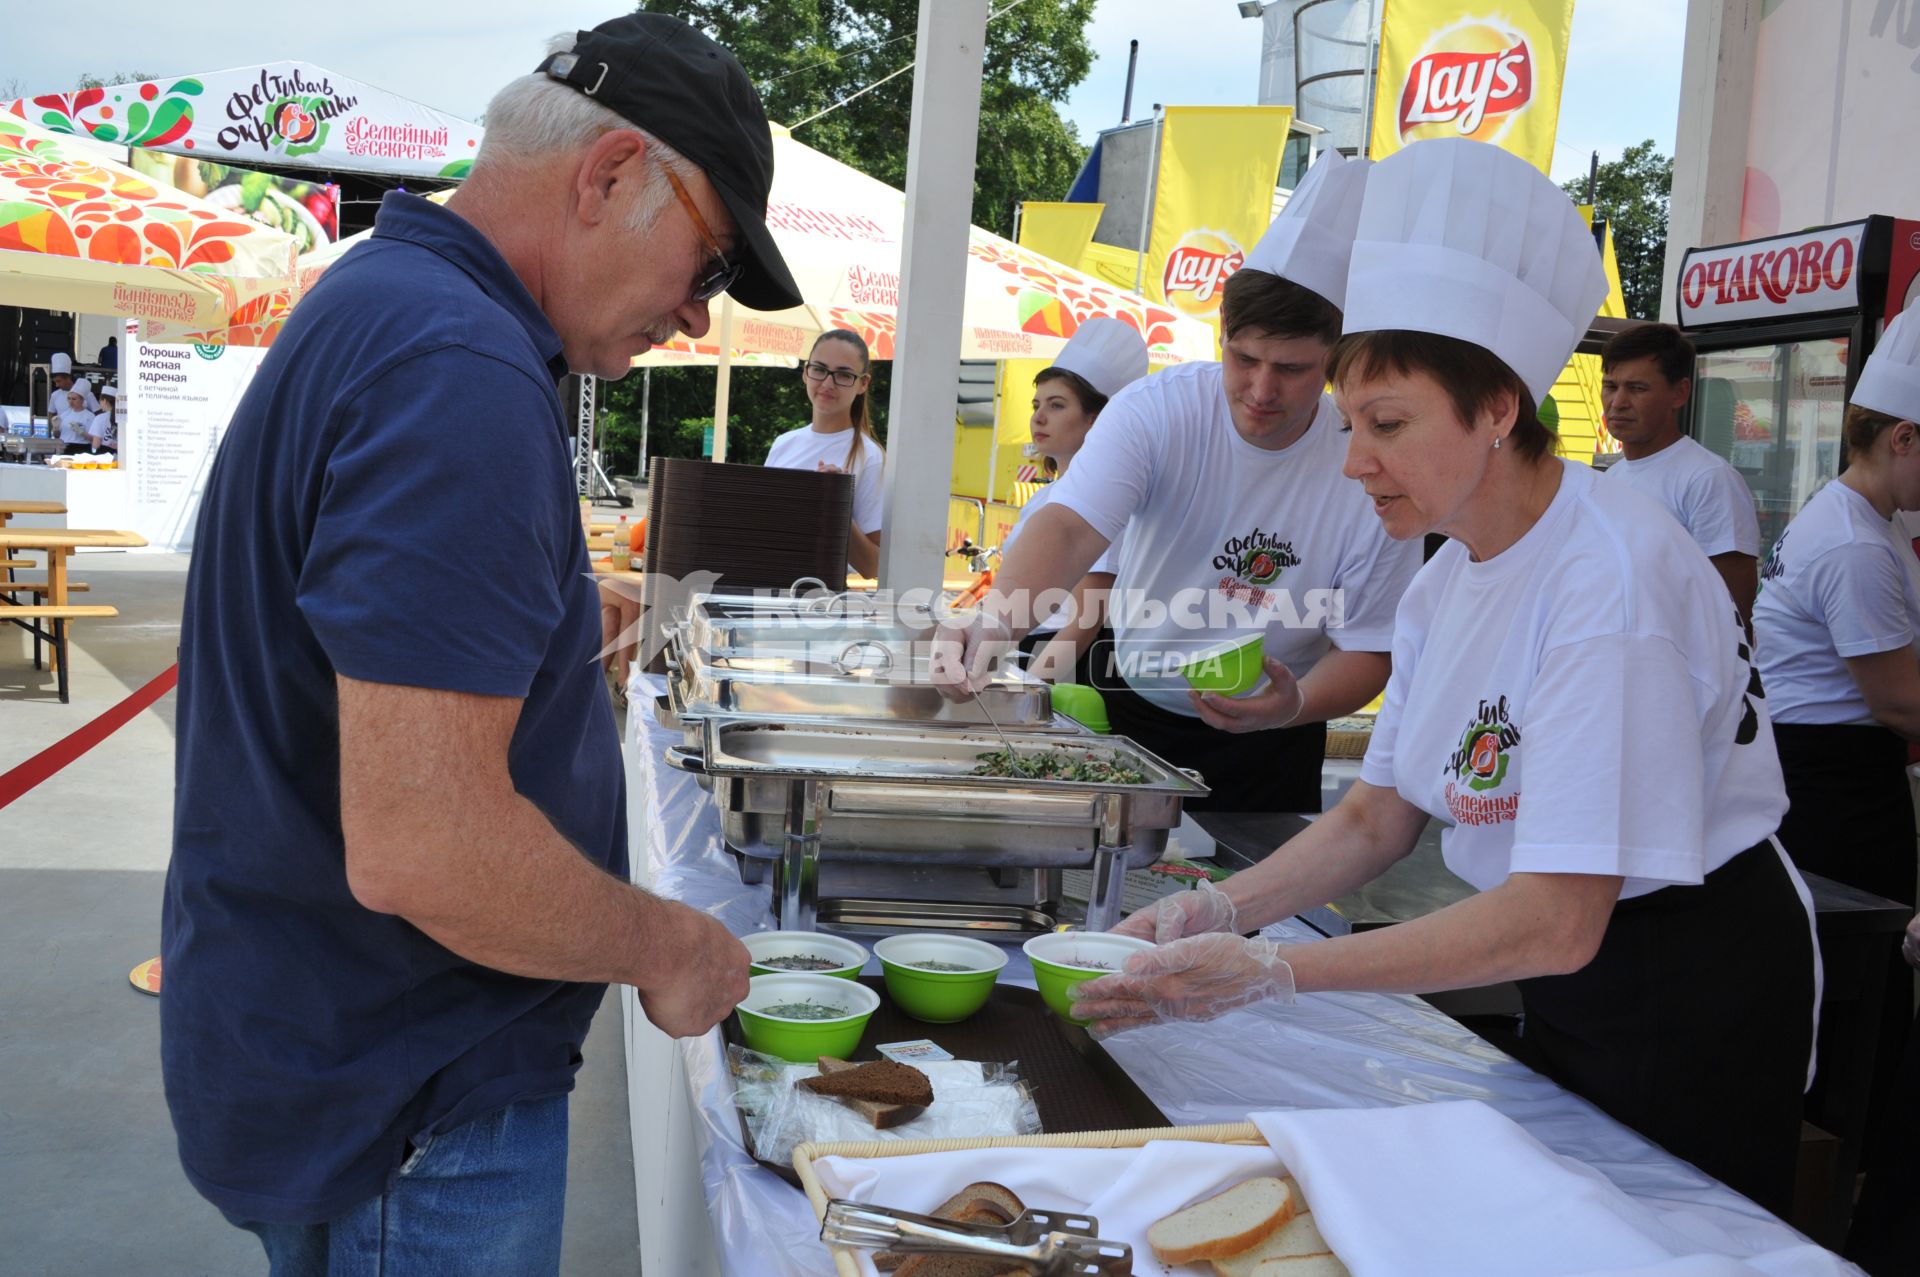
[1467,82]
[1197,269]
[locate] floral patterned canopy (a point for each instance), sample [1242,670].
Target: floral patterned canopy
[841,233]
[82,233]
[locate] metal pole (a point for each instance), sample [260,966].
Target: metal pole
[723,381]
[1126,102]
[1371,80]
[646,416]
[583,435]
[1593,179]
[1146,211]
[943,134]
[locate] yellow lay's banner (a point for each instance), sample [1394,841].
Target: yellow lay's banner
[1212,200]
[1060,231]
[1470,68]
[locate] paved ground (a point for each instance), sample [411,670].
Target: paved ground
[89,1184]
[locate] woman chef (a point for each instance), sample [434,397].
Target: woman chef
[1101,358]
[1571,697]
[1835,627]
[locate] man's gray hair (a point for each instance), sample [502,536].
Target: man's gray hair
[535,117]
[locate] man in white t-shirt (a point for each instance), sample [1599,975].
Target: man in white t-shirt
[1226,479]
[1646,378]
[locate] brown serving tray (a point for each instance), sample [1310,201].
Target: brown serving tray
[1076,1085]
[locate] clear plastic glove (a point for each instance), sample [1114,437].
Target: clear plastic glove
[966,650]
[1197,978]
[1184,913]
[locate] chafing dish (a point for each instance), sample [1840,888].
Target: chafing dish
[719,621]
[899,793]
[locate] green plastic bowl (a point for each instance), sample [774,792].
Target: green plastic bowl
[1229,669]
[939,997]
[804,1041]
[1083,705]
[762,945]
[1055,958]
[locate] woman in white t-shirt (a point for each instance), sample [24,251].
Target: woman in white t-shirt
[74,420]
[105,428]
[1101,358]
[1571,698]
[840,438]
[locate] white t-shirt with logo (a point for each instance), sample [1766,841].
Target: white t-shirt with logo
[1105,563]
[1580,703]
[1225,539]
[74,424]
[806,448]
[1700,489]
[105,429]
[1839,582]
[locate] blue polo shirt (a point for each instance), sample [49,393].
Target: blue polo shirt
[393,502]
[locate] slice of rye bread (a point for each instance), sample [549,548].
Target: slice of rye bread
[1225,1224]
[883,1116]
[984,1202]
[1324,1264]
[882,1081]
[1298,1236]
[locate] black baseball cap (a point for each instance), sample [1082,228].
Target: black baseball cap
[692,94]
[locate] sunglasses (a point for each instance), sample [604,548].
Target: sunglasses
[841,376]
[718,274]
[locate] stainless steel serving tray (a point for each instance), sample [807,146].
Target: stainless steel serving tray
[783,688]
[721,621]
[893,793]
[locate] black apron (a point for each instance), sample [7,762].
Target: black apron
[1694,1022]
[1850,818]
[1273,770]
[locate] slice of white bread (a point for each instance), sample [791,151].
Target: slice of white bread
[1300,1236]
[1225,1224]
[1324,1264]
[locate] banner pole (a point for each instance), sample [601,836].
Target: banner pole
[1375,15]
[1146,213]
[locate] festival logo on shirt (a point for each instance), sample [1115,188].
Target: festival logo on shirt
[1252,563]
[1773,567]
[1480,764]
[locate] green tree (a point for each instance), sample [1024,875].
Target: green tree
[90,81]
[807,55]
[1631,195]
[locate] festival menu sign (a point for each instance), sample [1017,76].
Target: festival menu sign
[179,399]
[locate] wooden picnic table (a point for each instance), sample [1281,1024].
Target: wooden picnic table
[10,507]
[58,544]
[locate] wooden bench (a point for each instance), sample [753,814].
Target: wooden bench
[27,616]
[40,587]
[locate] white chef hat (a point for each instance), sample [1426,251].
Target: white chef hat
[1890,382]
[1466,240]
[1311,242]
[1106,354]
[109,391]
[61,365]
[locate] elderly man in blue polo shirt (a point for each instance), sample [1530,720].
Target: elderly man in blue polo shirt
[398,887]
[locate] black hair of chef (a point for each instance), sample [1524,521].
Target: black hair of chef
[1091,400]
[1668,347]
[1277,307]
[1863,426]
[1472,376]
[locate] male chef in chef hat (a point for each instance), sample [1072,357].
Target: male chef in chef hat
[61,369]
[1238,523]
[1571,698]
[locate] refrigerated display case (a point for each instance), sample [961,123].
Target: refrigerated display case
[1783,327]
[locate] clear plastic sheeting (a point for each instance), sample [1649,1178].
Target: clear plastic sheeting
[1326,1051]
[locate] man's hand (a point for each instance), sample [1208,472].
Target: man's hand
[1275,706]
[707,979]
[1910,947]
[965,652]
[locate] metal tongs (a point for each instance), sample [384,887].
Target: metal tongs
[1045,1242]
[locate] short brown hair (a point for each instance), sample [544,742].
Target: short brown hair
[1863,425]
[1666,345]
[1279,307]
[1091,400]
[1472,376]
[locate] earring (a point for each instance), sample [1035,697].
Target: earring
[1496,441]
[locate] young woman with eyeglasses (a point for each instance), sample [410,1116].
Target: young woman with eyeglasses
[840,438]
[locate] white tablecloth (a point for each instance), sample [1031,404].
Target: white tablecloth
[1328,1051]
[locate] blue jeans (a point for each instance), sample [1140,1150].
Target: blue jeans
[481,1199]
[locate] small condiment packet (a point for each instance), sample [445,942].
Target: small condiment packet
[918,1051]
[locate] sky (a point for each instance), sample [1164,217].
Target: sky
[1623,74]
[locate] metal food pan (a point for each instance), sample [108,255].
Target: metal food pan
[892,794]
[763,690]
